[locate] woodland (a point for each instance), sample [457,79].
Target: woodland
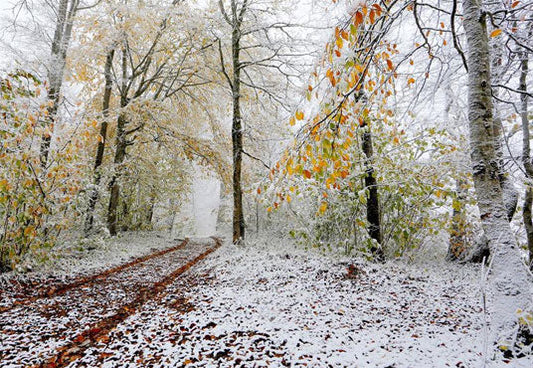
[364,135]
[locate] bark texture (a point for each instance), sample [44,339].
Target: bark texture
[60,43]
[236,137]
[120,153]
[373,215]
[234,17]
[526,158]
[93,197]
[509,284]
[510,194]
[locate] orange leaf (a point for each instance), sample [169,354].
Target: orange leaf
[299,115]
[258,190]
[496,33]
[307,174]
[389,64]
[377,7]
[358,18]
[372,16]
[344,35]
[410,81]
[515,4]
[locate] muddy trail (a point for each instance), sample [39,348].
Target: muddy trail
[54,326]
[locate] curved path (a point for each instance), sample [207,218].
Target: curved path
[54,329]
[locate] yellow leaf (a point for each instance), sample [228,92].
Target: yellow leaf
[292,121]
[4,184]
[339,42]
[28,231]
[323,207]
[496,33]
[289,199]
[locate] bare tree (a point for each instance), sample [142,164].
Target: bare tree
[263,52]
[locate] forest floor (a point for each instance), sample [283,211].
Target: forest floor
[195,303]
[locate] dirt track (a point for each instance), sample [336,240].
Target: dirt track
[54,327]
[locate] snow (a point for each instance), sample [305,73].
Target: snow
[271,304]
[77,258]
[34,332]
[82,257]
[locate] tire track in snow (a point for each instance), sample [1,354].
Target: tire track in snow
[52,332]
[63,288]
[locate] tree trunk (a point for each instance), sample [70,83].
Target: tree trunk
[120,153]
[93,198]
[236,133]
[372,204]
[114,197]
[509,284]
[60,43]
[510,194]
[481,249]
[526,158]
[457,244]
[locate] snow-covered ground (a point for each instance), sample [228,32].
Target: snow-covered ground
[270,304]
[80,258]
[88,256]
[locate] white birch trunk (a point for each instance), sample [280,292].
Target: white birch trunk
[509,283]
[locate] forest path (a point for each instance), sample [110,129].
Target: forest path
[54,326]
